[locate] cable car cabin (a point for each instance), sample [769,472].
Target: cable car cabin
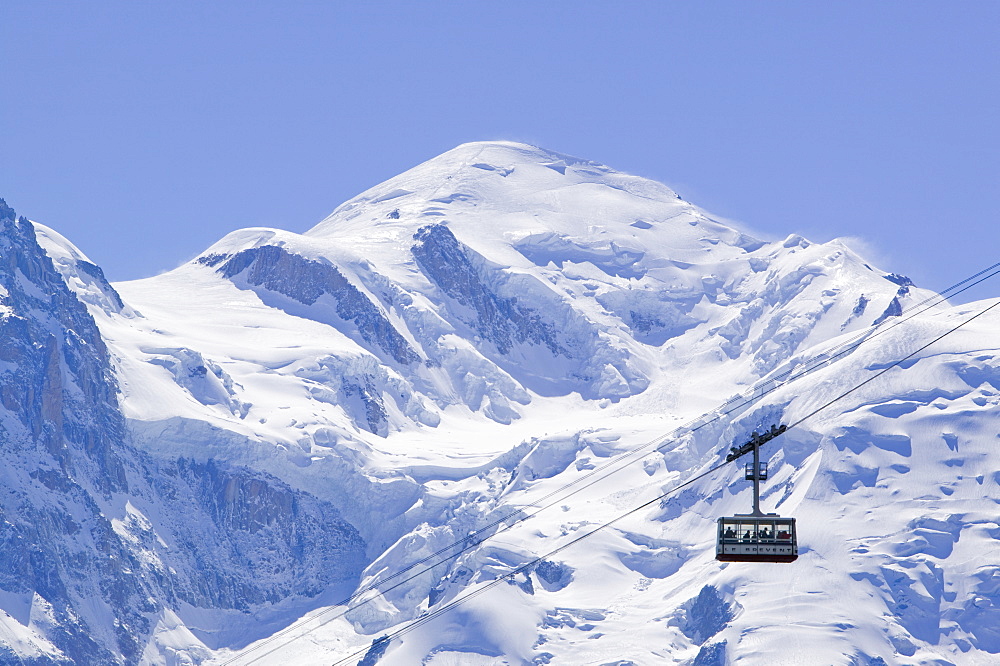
[763,538]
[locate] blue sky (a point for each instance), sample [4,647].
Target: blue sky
[144,132]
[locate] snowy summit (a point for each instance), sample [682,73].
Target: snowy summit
[392,439]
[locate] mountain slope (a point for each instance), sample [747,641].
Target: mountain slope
[460,343]
[103,543]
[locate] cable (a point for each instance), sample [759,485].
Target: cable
[620,461]
[893,365]
[526,567]
[878,329]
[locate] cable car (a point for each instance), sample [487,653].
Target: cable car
[750,538]
[756,536]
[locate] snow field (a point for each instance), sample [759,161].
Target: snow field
[598,312]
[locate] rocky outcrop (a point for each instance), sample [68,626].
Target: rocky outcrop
[518,321]
[59,436]
[307,281]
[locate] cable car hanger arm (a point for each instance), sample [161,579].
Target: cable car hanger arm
[755,440]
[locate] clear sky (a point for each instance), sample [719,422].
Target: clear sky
[146,131]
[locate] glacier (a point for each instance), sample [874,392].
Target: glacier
[457,372]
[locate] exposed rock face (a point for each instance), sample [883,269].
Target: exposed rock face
[252,538]
[501,320]
[60,434]
[705,615]
[56,380]
[307,281]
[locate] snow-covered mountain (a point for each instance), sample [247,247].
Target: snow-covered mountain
[208,461]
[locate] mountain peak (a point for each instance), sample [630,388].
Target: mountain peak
[512,152]
[501,187]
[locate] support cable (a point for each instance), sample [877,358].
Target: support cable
[894,364]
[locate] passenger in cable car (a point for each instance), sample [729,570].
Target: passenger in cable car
[765,534]
[730,534]
[783,535]
[746,537]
